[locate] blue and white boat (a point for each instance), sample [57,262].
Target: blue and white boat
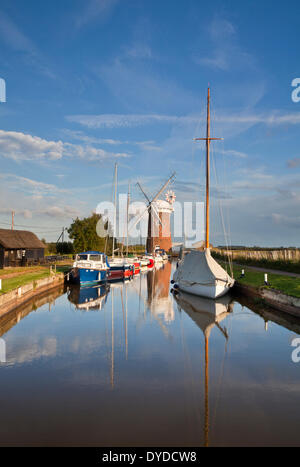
[90,267]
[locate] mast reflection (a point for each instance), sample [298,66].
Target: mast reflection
[206,314]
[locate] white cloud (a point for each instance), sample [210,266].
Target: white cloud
[32,185]
[21,146]
[60,212]
[18,146]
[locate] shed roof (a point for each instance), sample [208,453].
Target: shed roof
[12,239]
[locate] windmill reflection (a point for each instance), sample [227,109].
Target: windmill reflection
[158,292]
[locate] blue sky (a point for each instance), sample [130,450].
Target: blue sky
[98,81]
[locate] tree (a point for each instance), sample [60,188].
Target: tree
[64,248]
[84,234]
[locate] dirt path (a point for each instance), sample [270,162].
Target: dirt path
[271,271]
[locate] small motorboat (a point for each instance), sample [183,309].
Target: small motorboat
[90,267]
[120,268]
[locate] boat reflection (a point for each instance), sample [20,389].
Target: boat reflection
[88,298]
[206,314]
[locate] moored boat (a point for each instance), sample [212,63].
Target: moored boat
[90,267]
[197,272]
[120,268]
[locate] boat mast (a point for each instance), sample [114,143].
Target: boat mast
[207,170]
[128,201]
[208,139]
[115,216]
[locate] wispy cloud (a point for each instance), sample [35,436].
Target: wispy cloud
[80,136]
[12,35]
[30,186]
[135,120]
[226,50]
[94,10]
[233,153]
[20,146]
[138,51]
[60,212]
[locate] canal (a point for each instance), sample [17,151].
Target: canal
[132,365]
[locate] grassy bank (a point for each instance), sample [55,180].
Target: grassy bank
[286,284]
[24,276]
[288,266]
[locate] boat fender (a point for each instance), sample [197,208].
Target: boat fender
[175,286]
[172,281]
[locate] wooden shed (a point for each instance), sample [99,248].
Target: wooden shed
[19,247]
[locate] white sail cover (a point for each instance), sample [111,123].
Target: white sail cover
[199,267]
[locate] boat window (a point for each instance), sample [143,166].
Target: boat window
[82,257]
[96,257]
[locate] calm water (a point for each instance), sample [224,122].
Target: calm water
[135,366]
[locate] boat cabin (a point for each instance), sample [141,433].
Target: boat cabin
[90,259]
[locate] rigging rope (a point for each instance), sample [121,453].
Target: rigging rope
[228,259]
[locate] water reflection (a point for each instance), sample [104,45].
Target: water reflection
[158,292]
[206,314]
[137,366]
[12,318]
[88,298]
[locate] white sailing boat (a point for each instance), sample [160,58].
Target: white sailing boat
[197,272]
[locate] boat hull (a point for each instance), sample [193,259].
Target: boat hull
[85,276]
[208,291]
[120,272]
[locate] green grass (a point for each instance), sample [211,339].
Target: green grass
[7,271]
[15,282]
[286,284]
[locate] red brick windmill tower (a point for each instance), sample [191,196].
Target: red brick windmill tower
[159,221]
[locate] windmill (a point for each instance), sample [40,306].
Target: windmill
[151,209]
